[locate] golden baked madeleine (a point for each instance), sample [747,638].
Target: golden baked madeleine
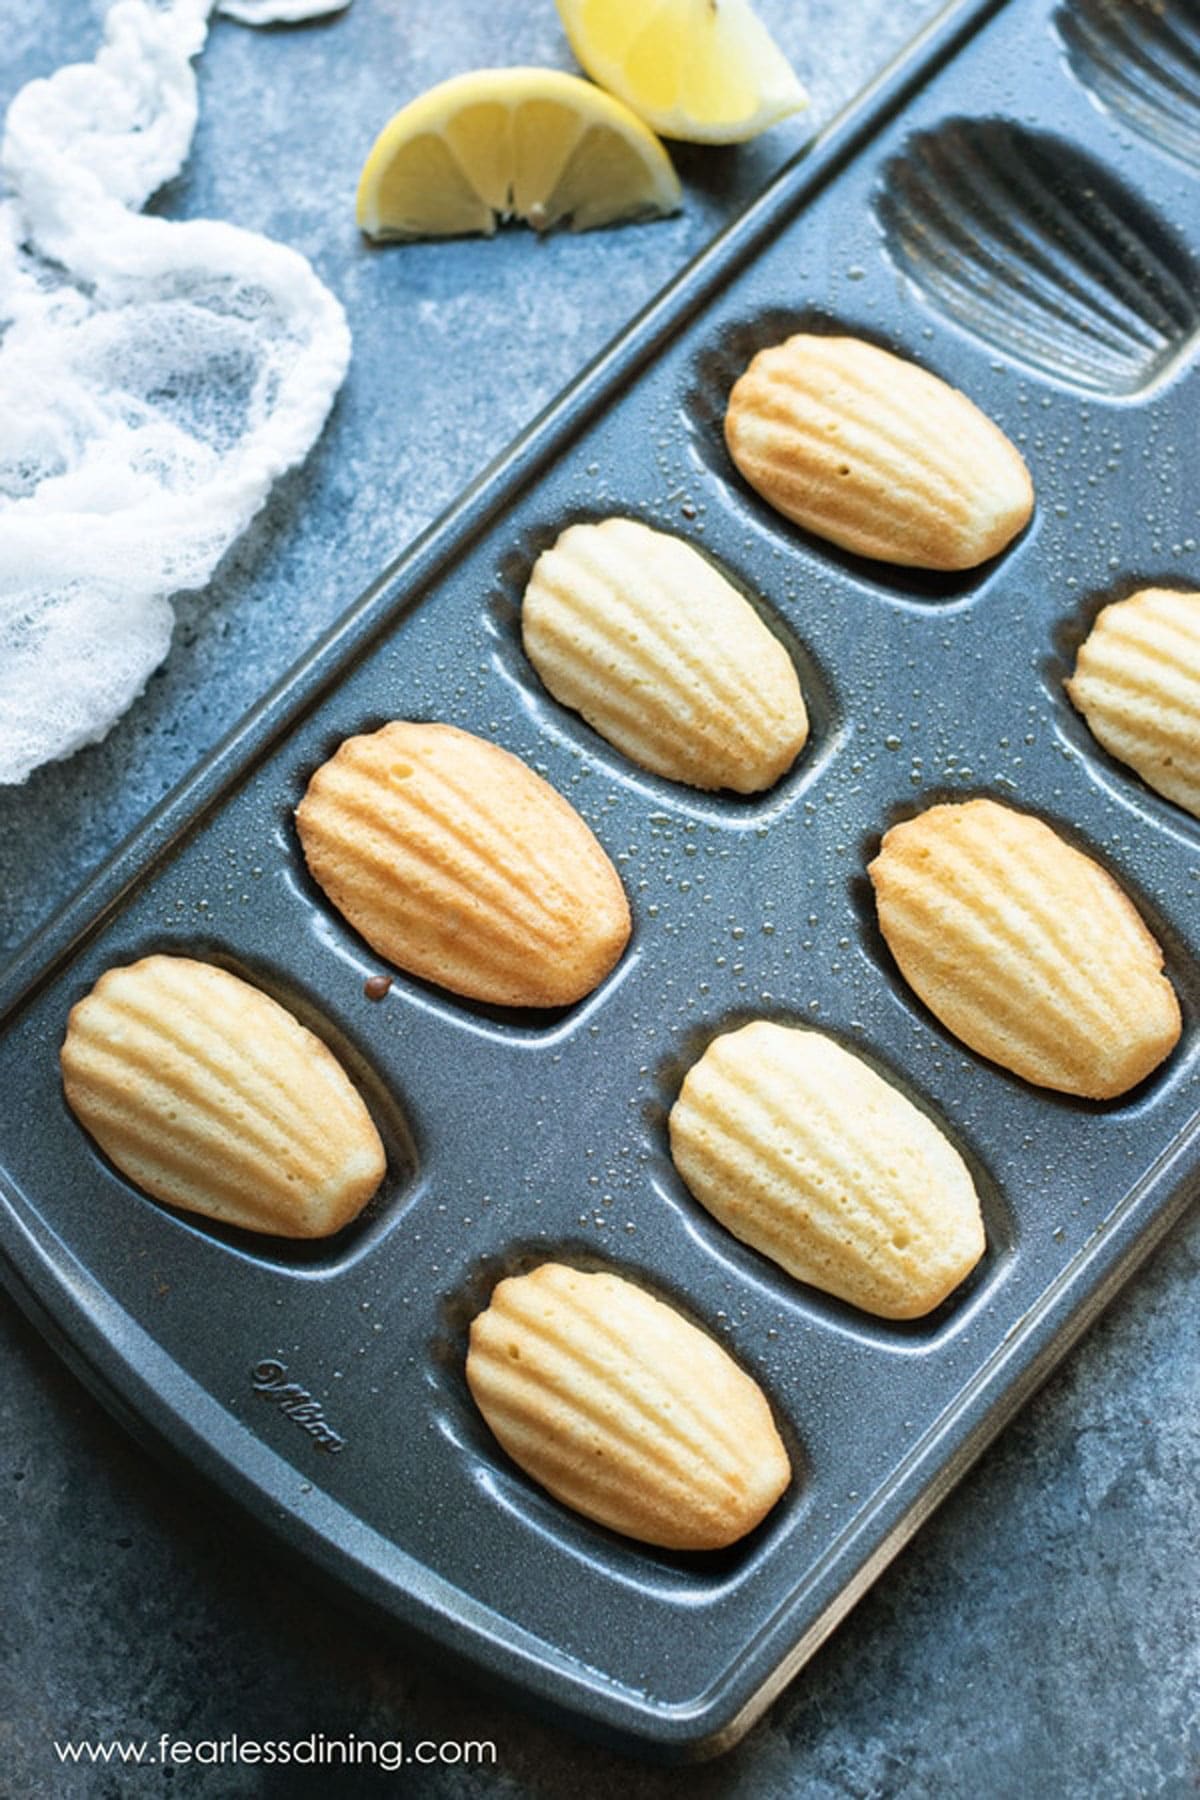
[1025,948]
[802,1151]
[876,454]
[460,865]
[1137,683]
[640,633]
[211,1096]
[625,1411]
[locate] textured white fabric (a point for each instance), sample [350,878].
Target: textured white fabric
[155,378]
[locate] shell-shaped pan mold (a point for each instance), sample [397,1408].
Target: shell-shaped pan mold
[1140,60]
[1039,251]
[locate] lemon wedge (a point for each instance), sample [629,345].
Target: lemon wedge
[530,144]
[707,71]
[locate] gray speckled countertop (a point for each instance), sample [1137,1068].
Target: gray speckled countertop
[1040,1636]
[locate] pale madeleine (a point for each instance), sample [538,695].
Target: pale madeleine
[1025,948]
[801,1150]
[459,864]
[876,454]
[211,1096]
[637,631]
[624,1410]
[1137,683]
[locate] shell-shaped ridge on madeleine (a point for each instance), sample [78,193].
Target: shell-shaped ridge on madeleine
[876,454]
[1025,948]
[211,1096]
[460,865]
[1140,59]
[646,639]
[804,1152]
[1137,683]
[624,1410]
[1039,251]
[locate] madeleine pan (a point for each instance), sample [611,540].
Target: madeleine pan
[1015,206]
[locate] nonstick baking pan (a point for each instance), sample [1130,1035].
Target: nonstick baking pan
[1016,207]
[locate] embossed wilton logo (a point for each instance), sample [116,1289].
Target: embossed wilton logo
[270,1380]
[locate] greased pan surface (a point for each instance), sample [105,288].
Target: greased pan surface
[323,1388]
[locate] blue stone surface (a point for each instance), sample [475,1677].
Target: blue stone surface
[1040,1636]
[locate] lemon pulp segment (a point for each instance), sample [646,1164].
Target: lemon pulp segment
[707,71]
[530,144]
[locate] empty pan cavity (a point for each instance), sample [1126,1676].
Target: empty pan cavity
[1140,60]
[1041,252]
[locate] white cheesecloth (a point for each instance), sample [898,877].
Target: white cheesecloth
[156,377]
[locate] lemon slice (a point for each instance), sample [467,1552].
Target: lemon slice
[530,144]
[707,71]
